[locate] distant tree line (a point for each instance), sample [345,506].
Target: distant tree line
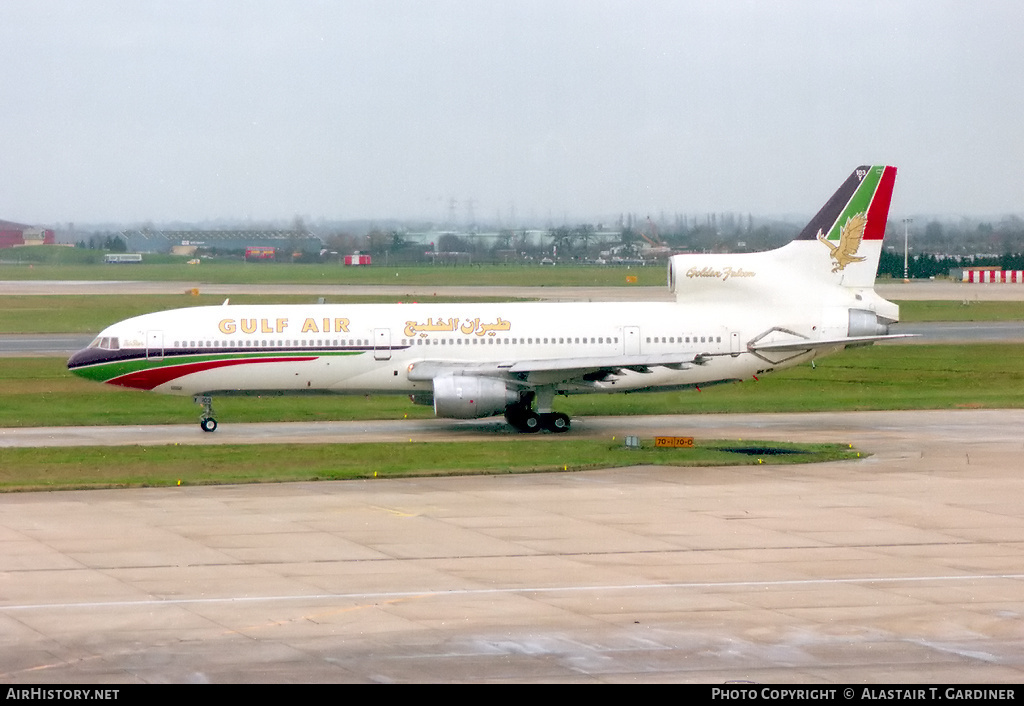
[927,265]
[961,237]
[935,246]
[109,242]
[583,242]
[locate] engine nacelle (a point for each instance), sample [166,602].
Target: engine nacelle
[471,397]
[866,323]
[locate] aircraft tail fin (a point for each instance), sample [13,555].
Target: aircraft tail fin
[840,246]
[851,224]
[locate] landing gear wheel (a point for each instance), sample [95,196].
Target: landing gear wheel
[522,419]
[556,422]
[530,422]
[208,424]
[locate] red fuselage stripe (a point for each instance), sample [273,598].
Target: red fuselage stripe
[153,377]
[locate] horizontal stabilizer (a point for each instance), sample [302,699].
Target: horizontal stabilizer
[808,344]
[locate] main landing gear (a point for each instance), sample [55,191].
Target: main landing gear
[206,422]
[522,418]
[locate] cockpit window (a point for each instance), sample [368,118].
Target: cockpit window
[110,343]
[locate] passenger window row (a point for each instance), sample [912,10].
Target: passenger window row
[688,339]
[269,343]
[112,343]
[550,340]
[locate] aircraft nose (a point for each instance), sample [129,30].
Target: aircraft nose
[86,362]
[76,360]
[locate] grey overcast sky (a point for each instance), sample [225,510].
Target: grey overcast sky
[544,110]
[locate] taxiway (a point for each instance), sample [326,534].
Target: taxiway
[902,567]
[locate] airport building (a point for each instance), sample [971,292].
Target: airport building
[188,241]
[14,235]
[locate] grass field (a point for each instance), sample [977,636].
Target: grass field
[145,466]
[920,311]
[287,273]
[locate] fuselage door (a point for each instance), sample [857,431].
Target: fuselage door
[734,343]
[631,340]
[382,344]
[154,345]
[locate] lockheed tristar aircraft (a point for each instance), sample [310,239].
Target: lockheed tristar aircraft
[735,317]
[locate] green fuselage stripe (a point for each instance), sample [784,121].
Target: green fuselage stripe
[102,372]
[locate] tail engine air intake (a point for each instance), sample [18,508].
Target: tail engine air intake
[867,323]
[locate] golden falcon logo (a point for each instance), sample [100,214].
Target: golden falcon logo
[850,236]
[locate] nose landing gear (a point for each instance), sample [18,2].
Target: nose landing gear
[206,421]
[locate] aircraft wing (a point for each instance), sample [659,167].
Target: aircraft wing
[676,361]
[589,368]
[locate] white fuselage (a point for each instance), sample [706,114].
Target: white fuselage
[375,348]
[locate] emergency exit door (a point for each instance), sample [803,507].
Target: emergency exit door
[154,344]
[631,340]
[382,344]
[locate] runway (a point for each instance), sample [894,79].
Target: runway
[903,567]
